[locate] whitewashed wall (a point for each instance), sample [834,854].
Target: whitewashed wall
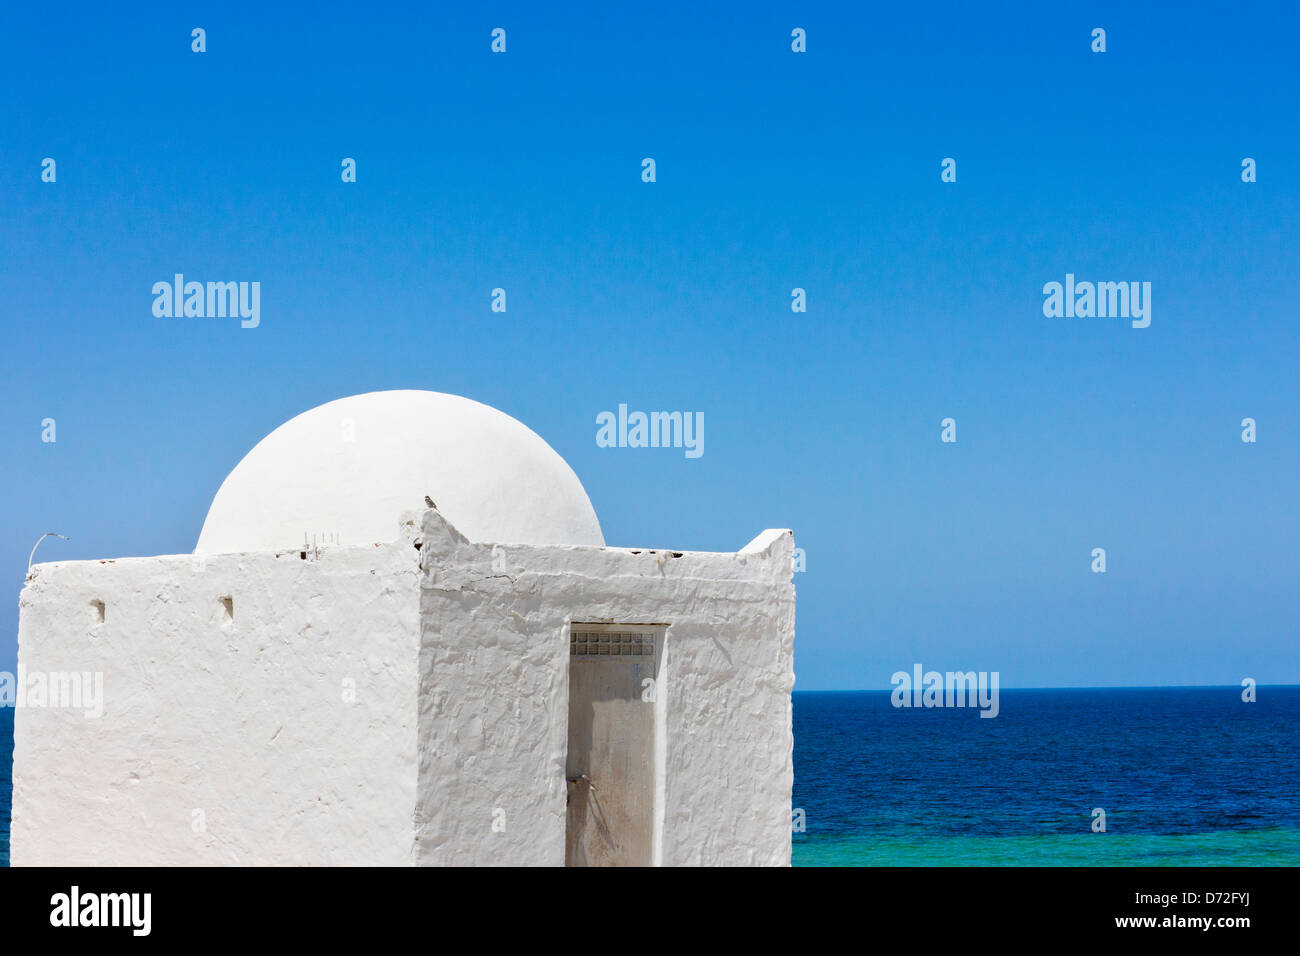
[459,654]
[725,685]
[245,722]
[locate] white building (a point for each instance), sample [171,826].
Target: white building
[342,675]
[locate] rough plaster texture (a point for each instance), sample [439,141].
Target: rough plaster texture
[244,721]
[459,656]
[725,680]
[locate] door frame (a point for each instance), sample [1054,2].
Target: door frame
[660,631]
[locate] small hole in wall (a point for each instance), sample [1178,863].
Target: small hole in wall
[227,610]
[98,606]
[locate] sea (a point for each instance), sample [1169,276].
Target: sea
[1183,776]
[6,778]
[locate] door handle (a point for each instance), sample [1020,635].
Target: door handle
[581,778]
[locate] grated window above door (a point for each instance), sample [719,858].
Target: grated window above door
[598,644]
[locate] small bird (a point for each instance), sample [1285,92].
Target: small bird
[429,501]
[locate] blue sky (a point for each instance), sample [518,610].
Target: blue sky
[775,170]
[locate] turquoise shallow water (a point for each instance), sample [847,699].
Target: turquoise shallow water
[1186,777]
[1273,847]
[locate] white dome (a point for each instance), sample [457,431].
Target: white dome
[345,471]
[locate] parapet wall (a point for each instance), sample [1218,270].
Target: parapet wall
[501,695]
[379,704]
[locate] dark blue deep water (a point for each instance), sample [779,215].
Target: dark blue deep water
[1187,776]
[6,783]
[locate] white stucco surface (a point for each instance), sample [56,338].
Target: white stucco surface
[457,652]
[344,470]
[243,722]
[725,683]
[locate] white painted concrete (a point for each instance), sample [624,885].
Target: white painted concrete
[726,677]
[401,697]
[245,721]
[343,471]
[458,653]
